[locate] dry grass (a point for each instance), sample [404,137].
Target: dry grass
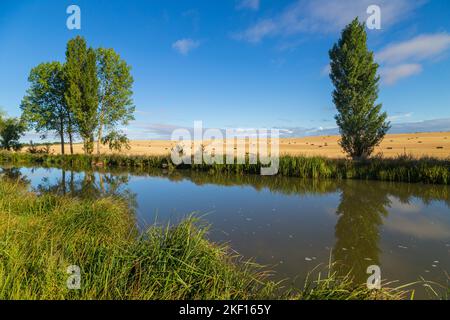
[434,144]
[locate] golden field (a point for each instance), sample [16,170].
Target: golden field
[434,144]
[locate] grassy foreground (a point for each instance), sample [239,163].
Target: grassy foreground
[401,169]
[41,235]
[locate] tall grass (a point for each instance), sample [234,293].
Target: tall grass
[400,169]
[329,285]
[41,235]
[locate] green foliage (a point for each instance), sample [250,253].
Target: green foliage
[80,73]
[34,149]
[87,118]
[115,96]
[75,58]
[354,75]
[116,141]
[89,95]
[43,107]
[11,130]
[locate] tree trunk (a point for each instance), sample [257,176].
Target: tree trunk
[99,138]
[62,135]
[86,146]
[71,142]
[89,144]
[69,129]
[100,131]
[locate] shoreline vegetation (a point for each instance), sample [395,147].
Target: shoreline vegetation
[41,235]
[401,169]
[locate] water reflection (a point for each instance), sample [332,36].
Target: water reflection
[288,223]
[361,211]
[14,174]
[86,184]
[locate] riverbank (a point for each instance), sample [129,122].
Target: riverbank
[400,169]
[42,235]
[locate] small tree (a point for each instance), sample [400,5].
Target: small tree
[116,141]
[354,74]
[44,107]
[115,96]
[11,130]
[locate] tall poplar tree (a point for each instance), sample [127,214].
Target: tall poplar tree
[354,74]
[81,95]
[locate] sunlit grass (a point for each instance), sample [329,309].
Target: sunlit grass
[40,236]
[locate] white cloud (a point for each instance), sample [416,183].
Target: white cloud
[434,125]
[390,75]
[420,48]
[404,59]
[257,32]
[400,116]
[248,4]
[184,46]
[324,16]
[333,15]
[413,224]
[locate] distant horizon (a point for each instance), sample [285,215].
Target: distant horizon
[322,133]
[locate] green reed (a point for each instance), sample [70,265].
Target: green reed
[400,169]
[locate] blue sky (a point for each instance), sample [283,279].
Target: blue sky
[239,63]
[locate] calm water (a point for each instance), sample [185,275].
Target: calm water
[289,224]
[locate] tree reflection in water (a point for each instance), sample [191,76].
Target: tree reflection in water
[360,213]
[13,174]
[89,185]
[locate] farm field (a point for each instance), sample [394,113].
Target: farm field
[432,144]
